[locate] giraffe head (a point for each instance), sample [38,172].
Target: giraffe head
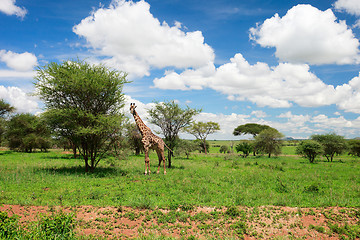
[132,108]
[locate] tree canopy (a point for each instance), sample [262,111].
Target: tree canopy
[250,128]
[354,147]
[269,141]
[332,144]
[309,149]
[171,118]
[83,104]
[27,132]
[5,108]
[202,129]
[246,147]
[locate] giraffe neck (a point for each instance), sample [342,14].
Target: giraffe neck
[141,125]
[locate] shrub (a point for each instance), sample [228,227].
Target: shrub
[244,147]
[313,188]
[269,141]
[224,149]
[309,149]
[26,132]
[354,147]
[200,146]
[332,144]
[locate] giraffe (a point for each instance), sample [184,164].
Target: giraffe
[150,141]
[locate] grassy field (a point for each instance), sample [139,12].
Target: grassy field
[213,180]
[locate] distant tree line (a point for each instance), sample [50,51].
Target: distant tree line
[268,140]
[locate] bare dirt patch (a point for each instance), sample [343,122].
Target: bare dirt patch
[266,222]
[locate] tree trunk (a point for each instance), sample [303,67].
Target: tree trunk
[74,150]
[86,164]
[205,146]
[169,159]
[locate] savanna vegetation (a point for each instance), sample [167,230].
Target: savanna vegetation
[42,164]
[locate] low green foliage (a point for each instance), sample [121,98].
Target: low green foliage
[224,149]
[56,226]
[245,147]
[232,212]
[240,228]
[9,227]
[351,231]
[319,229]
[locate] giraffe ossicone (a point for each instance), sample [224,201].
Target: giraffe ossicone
[149,140]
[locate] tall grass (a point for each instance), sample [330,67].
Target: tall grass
[55,178]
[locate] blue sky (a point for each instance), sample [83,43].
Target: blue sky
[293,65]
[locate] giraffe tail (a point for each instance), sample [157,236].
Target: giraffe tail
[168,147]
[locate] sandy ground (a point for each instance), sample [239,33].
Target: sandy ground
[202,223]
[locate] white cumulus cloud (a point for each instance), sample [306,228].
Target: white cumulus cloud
[277,87]
[19,99]
[18,61]
[133,40]
[349,6]
[308,35]
[9,8]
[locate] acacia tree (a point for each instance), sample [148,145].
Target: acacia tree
[83,104]
[269,141]
[134,138]
[186,147]
[250,128]
[354,147]
[201,130]
[171,118]
[26,132]
[5,108]
[309,149]
[332,144]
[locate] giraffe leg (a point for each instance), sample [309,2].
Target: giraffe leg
[163,157]
[147,161]
[160,159]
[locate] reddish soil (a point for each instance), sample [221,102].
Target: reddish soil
[202,223]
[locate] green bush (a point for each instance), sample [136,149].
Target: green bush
[200,145]
[56,226]
[354,147]
[309,149]
[224,149]
[244,147]
[9,227]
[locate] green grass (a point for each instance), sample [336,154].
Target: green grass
[217,180]
[56,226]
